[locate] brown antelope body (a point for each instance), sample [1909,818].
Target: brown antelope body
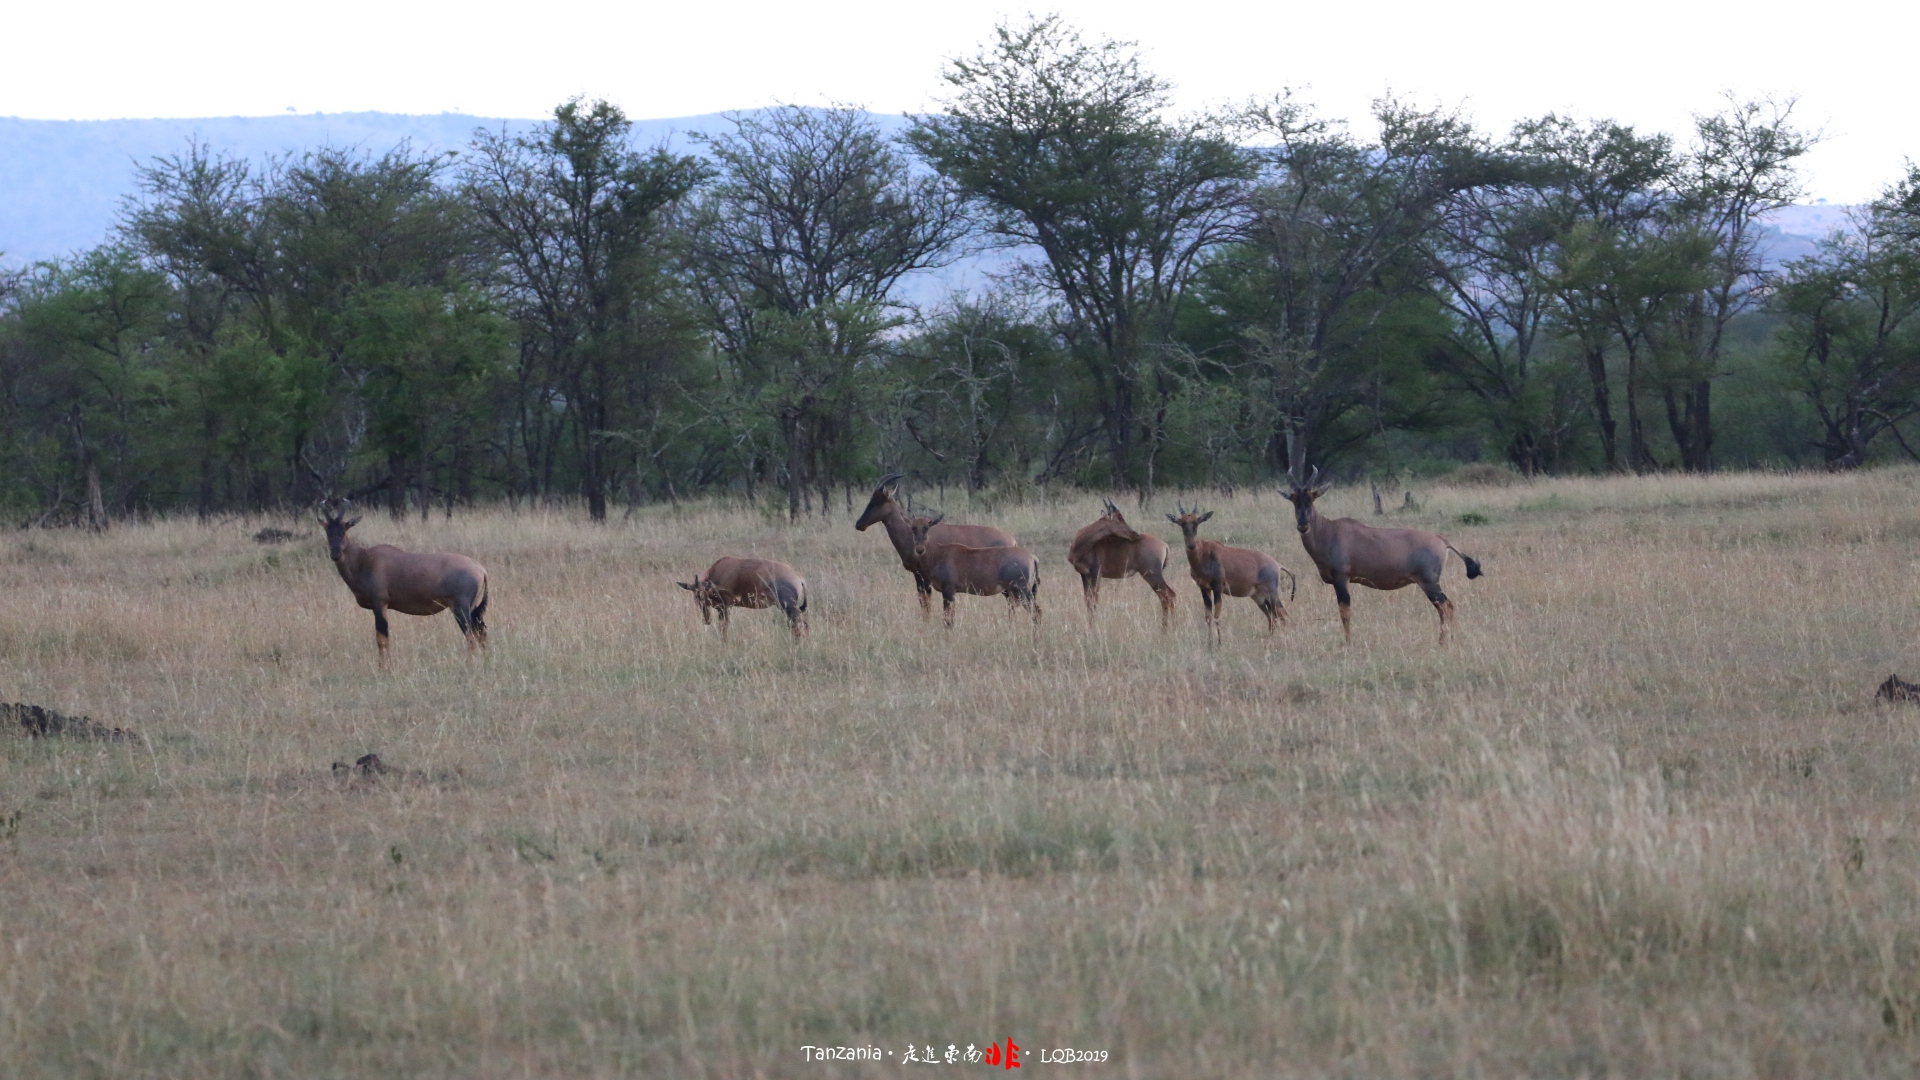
[1110,548]
[384,578]
[1350,552]
[1012,572]
[750,583]
[883,509]
[1222,570]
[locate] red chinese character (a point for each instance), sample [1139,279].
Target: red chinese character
[1013,1055]
[993,1053]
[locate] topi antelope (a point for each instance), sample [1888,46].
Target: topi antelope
[883,509]
[750,583]
[1347,551]
[383,577]
[1221,571]
[982,571]
[1110,548]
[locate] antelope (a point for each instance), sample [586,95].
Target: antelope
[383,577]
[750,583]
[882,508]
[1109,548]
[1347,551]
[1233,571]
[982,571]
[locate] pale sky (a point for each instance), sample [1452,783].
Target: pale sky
[1652,64]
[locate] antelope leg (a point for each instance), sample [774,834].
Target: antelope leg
[380,628]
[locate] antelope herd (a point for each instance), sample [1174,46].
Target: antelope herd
[977,560]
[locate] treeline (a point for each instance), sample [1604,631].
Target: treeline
[1182,301]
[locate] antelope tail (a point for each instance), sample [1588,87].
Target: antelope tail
[1473,564]
[486,594]
[1293,583]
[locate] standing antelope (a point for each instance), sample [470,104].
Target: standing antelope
[982,571]
[1219,569]
[750,583]
[1347,551]
[1110,548]
[882,508]
[383,577]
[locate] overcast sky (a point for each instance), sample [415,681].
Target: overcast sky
[1652,64]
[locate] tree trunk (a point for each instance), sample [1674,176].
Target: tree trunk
[1603,407]
[1679,422]
[790,425]
[96,506]
[210,423]
[1639,458]
[399,481]
[1700,403]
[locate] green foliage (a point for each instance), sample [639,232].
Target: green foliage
[1061,146]
[1184,301]
[1850,336]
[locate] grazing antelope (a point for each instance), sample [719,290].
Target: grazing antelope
[1347,551]
[982,571]
[750,583]
[882,508]
[1232,571]
[1110,548]
[383,577]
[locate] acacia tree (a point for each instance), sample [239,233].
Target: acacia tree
[795,251]
[348,233]
[196,217]
[973,390]
[1740,167]
[1851,339]
[1332,265]
[576,219]
[88,373]
[1063,147]
[1614,275]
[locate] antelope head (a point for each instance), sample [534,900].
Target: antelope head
[920,526]
[333,519]
[1189,521]
[1302,496]
[706,594]
[882,499]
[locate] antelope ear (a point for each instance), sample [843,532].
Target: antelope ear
[1321,490]
[1205,516]
[350,524]
[935,520]
[684,585]
[1173,519]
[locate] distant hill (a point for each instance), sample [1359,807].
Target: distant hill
[62,182]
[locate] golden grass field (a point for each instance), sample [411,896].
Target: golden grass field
[1641,816]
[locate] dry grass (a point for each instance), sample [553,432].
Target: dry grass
[1641,817]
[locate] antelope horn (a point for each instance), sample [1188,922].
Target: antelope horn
[1315,481]
[891,479]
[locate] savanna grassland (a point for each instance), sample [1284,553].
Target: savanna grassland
[1640,817]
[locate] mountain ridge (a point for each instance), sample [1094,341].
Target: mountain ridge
[63,182]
